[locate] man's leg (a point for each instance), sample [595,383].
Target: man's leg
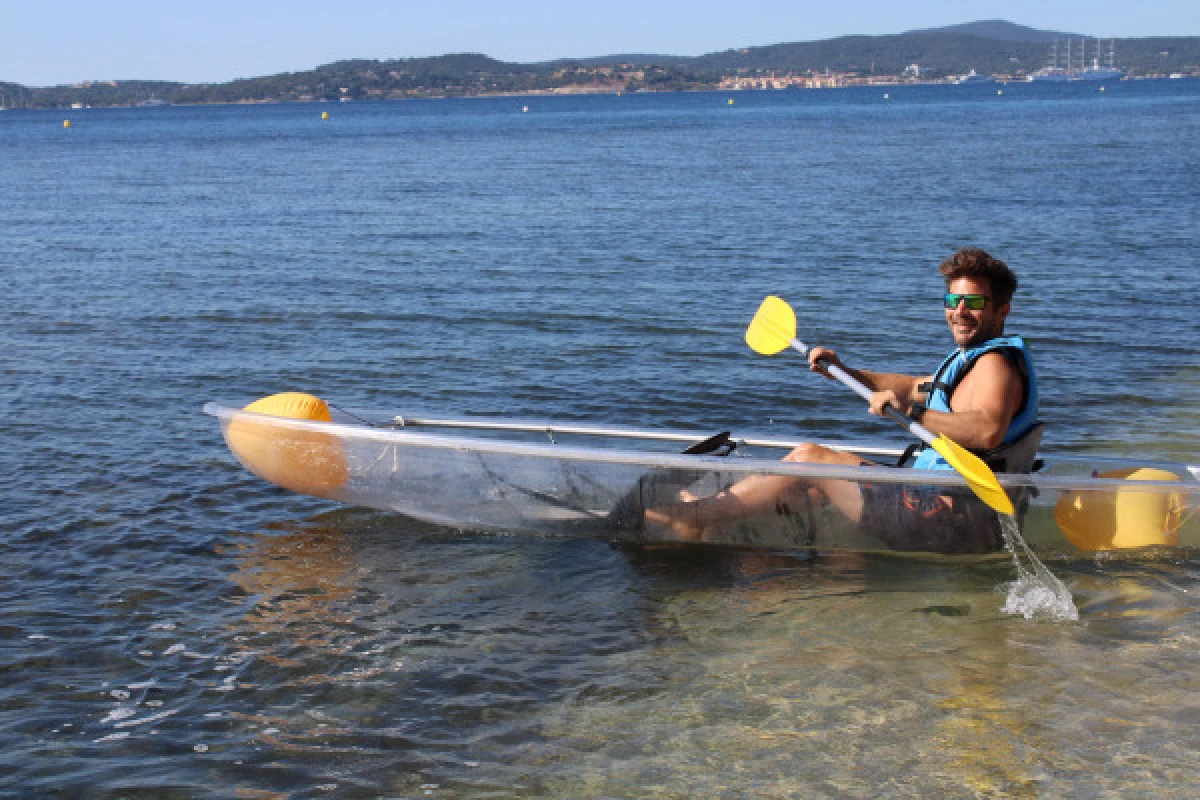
[760,494]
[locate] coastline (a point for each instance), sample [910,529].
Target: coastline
[883,82]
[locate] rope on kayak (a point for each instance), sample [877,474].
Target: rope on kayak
[352,415]
[543,497]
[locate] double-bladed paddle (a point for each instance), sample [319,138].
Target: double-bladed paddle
[773,330]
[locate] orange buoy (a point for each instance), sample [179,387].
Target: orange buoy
[1105,519]
[305,461]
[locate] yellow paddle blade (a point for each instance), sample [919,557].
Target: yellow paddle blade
[979,476]
[773,327]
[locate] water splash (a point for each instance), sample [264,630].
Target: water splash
[1035,592]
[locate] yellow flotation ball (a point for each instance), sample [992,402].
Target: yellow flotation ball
[1124,518]
[305,461]
[293,405]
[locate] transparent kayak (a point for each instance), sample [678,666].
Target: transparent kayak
[569,479]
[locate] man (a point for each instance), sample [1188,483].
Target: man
[983,396]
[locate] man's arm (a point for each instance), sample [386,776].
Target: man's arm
[982,406]
[902,388]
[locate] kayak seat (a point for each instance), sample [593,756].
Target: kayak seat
[1017,457]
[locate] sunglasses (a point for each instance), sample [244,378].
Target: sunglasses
[974,302]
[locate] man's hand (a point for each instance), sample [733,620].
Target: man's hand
[884,398]
[821,357]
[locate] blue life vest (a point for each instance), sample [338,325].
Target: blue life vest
[955,368]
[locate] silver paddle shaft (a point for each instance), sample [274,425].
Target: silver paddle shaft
[903,420]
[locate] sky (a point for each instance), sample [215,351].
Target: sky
[52,42]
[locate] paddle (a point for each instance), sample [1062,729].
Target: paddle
[773,330]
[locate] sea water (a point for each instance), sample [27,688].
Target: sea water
[171,625]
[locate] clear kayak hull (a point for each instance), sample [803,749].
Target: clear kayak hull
[573,480]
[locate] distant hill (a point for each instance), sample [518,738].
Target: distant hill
[1000,30]
[623,58]
[994,47]
[938,54]
[989,47]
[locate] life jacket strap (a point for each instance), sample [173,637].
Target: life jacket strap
[934,385]
[910,453]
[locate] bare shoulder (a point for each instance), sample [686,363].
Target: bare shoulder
[995,365]
[993,380]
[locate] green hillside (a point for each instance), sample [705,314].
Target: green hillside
[988,47]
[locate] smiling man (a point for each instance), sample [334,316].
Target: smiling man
[983,396]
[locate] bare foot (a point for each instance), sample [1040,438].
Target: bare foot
[681,519]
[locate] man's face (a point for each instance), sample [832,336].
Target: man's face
[968,327]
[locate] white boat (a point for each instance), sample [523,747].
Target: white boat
[973,77]
[1053,73]
[567,479]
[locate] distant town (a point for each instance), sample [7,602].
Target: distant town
[992,51]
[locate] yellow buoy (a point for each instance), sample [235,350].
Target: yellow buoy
[66,123]
[306,461]
[731,101]
[324,115]
[294,405]
[1124,518]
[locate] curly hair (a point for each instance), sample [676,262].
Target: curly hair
[971,262]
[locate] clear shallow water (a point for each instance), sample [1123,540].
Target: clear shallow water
[169,624]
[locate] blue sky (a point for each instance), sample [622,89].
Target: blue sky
[48,42]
